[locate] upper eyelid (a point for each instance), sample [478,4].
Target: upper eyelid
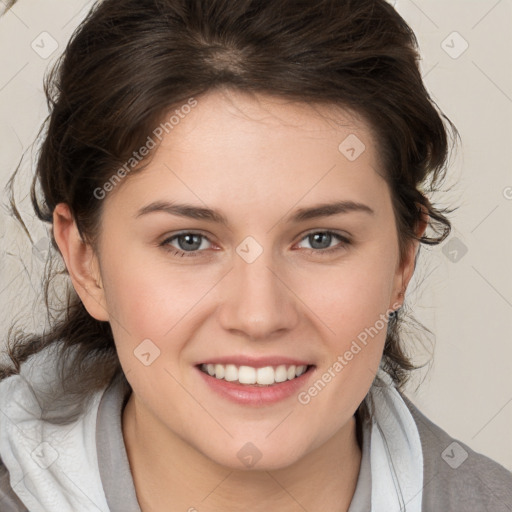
[329,231]
[182,233]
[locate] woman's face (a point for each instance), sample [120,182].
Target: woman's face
[278,282]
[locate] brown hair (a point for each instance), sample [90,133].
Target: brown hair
[131,62]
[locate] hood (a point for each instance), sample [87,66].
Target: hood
[54,467]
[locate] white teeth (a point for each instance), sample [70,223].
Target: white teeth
[246,375]
[231,372]
[219,371]
[265,376]
[281,373]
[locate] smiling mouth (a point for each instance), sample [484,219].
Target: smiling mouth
[248,375]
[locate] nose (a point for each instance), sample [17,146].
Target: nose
[258,303]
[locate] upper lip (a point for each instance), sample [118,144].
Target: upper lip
[256,362]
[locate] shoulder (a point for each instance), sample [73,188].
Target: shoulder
[9,501]
[455,476]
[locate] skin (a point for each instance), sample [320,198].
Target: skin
[255,159]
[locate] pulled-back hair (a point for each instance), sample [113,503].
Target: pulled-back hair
[131,62]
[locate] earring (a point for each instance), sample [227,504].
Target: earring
[394,314]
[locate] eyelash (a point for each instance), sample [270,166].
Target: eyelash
[178,252]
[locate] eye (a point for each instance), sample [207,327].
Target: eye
[188,244]
[320,242]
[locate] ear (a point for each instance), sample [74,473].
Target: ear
[406,268]
[81,261]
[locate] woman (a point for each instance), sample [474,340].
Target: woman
[236,190]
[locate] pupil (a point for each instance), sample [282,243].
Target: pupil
[317,237]
[190,242]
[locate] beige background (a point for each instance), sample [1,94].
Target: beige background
[462,290]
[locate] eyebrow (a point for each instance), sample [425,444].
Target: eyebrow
[300,215]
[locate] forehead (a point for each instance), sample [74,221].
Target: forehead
[233,148]
[264,118]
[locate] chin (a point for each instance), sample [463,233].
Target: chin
[248,456]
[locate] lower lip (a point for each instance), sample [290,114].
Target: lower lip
[248,394]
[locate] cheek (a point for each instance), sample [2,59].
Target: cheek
[351,302]
[354,310]
[151,308]
[353,296]
[151,300]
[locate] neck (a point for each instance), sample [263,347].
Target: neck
[169,474]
